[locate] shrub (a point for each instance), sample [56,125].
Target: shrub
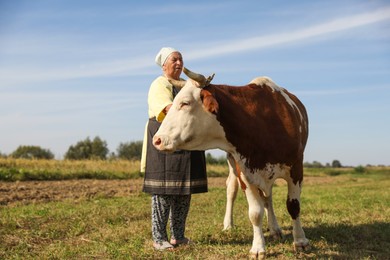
[32,152]
[360,169]
[130,150]
[87,149]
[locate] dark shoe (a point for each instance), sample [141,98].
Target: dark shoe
[184,241]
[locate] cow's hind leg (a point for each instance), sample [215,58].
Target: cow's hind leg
[231,193]
[293,206]
[273,225]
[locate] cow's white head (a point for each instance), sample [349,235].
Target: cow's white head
[191,122]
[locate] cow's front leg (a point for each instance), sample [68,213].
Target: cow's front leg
[256,213]
[293,207]
[273,225]
[231,194]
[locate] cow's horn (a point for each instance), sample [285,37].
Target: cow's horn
[177,83]
[209,79]
[195,76]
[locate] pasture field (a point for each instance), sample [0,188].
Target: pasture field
[345,214]
[24,169]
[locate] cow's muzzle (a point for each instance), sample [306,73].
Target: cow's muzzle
[162,143]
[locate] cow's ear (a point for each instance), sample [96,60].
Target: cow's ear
[209,102]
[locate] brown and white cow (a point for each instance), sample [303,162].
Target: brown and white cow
[263,128]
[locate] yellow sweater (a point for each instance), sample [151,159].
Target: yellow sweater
[159,96]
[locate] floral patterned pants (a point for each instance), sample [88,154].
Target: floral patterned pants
[174,207]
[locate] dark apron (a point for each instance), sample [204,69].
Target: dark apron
[178,173]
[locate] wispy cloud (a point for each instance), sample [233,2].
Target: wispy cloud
[260,42]
[59,101]
[143,62]
[11,76]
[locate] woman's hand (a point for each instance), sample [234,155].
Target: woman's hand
[166,109]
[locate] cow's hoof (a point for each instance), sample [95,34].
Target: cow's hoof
[227,228]
[276,235]
[302,246]
[259,255]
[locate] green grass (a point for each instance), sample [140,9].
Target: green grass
[345,217]
[26,170]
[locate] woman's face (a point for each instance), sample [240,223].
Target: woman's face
[173,66]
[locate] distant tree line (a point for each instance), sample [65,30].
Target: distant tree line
[315,164]
[96,149]
[93,149]
[212,160]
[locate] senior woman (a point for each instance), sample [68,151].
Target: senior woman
[170,178]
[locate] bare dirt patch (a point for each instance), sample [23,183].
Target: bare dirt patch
[41,191]
[26,192]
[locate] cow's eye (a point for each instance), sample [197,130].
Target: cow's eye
[184,104]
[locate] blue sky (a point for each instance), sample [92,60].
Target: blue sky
[76,69]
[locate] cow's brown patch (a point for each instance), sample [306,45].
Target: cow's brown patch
[262,126]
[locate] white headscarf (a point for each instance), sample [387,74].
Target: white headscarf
[163,55]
